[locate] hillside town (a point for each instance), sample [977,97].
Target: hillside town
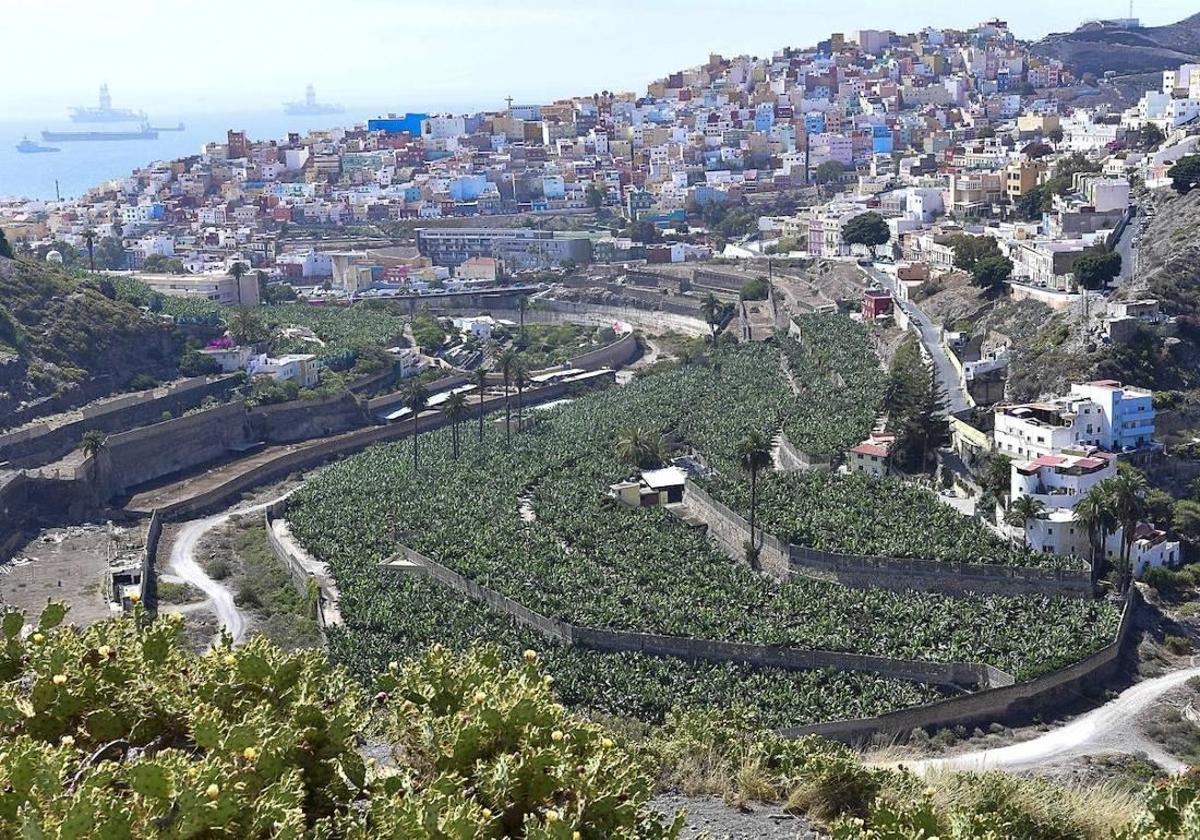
[828,423]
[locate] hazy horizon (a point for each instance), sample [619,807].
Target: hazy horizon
[462,54]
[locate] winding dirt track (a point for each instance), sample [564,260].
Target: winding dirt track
[183,564]
[1110,728]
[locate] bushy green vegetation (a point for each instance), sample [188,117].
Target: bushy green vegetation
[887,517]
[120,731]
[839,383]
[68,332]
[588,560]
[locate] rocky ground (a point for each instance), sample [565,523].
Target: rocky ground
[711,817]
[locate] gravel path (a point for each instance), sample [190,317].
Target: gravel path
[1112,728]
[184,566]
[709,816]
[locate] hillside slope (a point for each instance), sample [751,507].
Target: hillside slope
[62,338]
[1095,49]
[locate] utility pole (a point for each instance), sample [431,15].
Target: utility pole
[509,101]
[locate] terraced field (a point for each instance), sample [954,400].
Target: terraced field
[588,560]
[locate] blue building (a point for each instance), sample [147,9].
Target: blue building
[881,139]
[814,123]
[410,123]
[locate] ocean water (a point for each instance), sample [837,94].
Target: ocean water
[82,165]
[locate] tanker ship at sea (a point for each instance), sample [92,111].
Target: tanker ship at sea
[106,112]
[143,133]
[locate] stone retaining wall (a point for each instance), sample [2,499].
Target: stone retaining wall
[302,569]
[1016,702]
[780,560]
[41,443]
[306,457]
[792,459]
[947,674]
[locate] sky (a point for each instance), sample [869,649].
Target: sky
[197,56]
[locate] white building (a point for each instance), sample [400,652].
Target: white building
[301,368]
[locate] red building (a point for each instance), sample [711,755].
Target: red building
[876,303]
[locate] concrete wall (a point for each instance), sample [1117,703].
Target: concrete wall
[949,674]
[14,514]
[303,419]
[792,459]
[670,317]
[1016,702]
[781,560]
[304,457]
[41,443]
[151,452]
[302,568]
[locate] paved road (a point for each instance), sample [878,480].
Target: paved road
[1109,729]
[956,397]
[183,565]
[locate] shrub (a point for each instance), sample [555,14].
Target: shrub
[1177,645]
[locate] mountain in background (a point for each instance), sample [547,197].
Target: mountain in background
[1097,48]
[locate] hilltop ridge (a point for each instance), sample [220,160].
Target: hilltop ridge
[1096,48]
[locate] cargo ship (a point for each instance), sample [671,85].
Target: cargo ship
[106,112]
[310,106]
[27,146]
[144,133]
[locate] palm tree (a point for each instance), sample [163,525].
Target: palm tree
[639,448]
[245,326]
[416,399]
[522,305]
[89,239]
[1022,510]
[237,271]
[1094,514]
[454,409]
[711,308]
[508,360]
[1127,497]
[754,454]
[92,443]
[521,379]
[480,377]
[261,277]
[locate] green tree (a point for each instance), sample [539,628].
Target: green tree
[1032,204]
[916,406]
[595,195]
[1097,268]
[1127,493]
[89,239]
[640,448]
[1185,174]
[92,443]
[829,172]
[711,309]
[969,249]
[6,250]
[754,454]
[1187,523]
[112,254]
[520,376]
[1094,513]
[997,476]
[1055,136]
[416,399]
[246,327]
[1023,510]
[756,289]
[508,362]
[868,229]
[992,272]
[455,408]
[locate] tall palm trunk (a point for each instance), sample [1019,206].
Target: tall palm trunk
[414,437]
[507,414]
[454,437]
[520,397]
[481,415]
[753,506]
